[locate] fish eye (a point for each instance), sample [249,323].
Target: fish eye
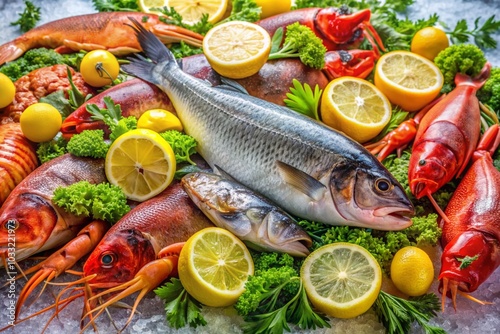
[107,259]
[421,162]
[382,185]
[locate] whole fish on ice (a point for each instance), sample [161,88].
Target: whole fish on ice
[251,217]
[302,165]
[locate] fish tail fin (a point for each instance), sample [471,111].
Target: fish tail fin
[11,51]
[478,81]
[154,50]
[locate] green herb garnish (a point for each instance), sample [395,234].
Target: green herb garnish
[466,261]
[303,99]
[28,18]
[398,314]
[181,308]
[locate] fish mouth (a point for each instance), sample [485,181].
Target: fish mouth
[297,248]
[394,218]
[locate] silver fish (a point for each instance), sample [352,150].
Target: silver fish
[309,169]
[248,215]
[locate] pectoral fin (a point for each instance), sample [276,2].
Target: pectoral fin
[303,182]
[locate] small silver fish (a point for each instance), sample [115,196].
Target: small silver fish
[306,167]
[248,215]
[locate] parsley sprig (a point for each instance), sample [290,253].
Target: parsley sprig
[181,308]
[273,319]
[28,18]
[398,314]
[481,34]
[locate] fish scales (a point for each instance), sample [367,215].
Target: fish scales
[285,156]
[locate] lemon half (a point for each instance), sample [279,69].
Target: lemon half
[214,266]
[140,162]
[237,49]
[342,280]
[355,107]
[407,79]
[193,10]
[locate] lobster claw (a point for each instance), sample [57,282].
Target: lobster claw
[339,26]
[354,63]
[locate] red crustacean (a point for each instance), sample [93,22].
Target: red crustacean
[39,224]
[447,137]
[17,158]
[337,27]
[354,63]
[471,237]
[105,30]
[141,250]
[136,254]
[61,260]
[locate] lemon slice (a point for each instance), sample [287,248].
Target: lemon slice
[408,79]
[140,162]
[193,10]
[237,49]
[147,6]
[355,107]
[214,266]
[342,280]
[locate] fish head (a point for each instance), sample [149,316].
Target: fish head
[255,220]
[118,257]
[276,231]
[469,259]
[370,197]
[27,220]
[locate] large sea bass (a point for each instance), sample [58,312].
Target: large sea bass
[305,167]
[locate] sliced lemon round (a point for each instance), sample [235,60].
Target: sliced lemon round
[140,162]
[342,280]
[355,107]
[408,79]
[149,6]
[237,49]
[193,10]
[214,266]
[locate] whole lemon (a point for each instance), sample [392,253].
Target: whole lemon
[159,120]
[7,91]
[412,271]
[40,122]
[428,42]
